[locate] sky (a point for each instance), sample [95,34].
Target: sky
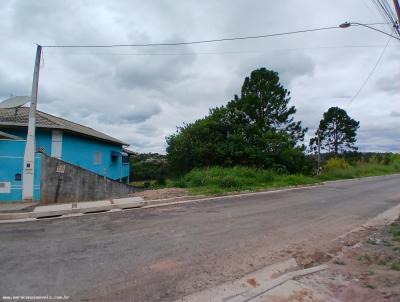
[140,95]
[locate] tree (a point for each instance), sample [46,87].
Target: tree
[337,132]
[255,129]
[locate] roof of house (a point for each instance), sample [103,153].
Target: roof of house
[20,116]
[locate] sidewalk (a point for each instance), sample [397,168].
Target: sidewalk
[14,212]
[17,207]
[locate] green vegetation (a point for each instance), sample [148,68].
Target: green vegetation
[337,132]
[254,142]
[394,229]
[337,168]
[217,180]
[148,166]
[255,129]
[395,266]
[220,180]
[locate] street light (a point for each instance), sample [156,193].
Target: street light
[349,24]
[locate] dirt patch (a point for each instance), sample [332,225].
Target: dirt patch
[252,282]
[162,193]
[164,265]
[365,270]
[303,295]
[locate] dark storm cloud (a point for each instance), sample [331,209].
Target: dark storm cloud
[140,95]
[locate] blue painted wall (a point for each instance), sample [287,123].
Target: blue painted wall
[11,163]
[80,151]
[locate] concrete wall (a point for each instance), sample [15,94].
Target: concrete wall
[11,166]
[64,182]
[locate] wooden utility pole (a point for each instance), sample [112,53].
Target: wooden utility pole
[30,146]
[319,151]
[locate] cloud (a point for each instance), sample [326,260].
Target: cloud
[389,84]
[131,115]
[140,95]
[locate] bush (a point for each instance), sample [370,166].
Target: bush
[148,166]
[335,163]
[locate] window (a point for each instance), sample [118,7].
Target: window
[125,159]
[97,158]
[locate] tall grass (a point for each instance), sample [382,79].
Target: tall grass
[335,169]
[217,180]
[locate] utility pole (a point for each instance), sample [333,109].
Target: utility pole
[29,156]
[319,151]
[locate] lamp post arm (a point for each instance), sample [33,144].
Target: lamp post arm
[375,29]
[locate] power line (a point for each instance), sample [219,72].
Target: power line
[200,41]
[228,52]
[370,74]
[386,11]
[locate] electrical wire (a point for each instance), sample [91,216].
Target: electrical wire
[231,52]
[370,73]
[387,14]
[200,41]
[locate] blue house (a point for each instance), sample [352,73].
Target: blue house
[59,138]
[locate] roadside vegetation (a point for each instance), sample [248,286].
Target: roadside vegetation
[254,142]
[220,180]
[217,180]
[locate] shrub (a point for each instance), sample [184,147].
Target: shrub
[335,163]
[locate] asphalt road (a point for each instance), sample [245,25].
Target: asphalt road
[161,254]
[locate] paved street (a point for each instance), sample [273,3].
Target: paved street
[167,252]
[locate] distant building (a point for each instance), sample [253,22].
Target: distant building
[70,142]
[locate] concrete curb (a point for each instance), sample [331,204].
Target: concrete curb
[249,296]
[253,285]
[73,209]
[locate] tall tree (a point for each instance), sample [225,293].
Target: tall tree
[337,132]
[255,129]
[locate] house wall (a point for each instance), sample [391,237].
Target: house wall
[11,164]
[80,151]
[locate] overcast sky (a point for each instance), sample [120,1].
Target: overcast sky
[140,95]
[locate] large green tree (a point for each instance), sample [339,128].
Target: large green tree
[256,128]
[337,132]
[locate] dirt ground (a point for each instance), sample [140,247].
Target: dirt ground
[364,266]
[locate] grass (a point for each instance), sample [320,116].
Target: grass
[395,266]
[394,229]
[217,180]
[360,170]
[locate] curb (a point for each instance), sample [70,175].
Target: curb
[248,296]
[253,285]
[73,209]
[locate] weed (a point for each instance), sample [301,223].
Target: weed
[364,258]
[394,229]
[395,266]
